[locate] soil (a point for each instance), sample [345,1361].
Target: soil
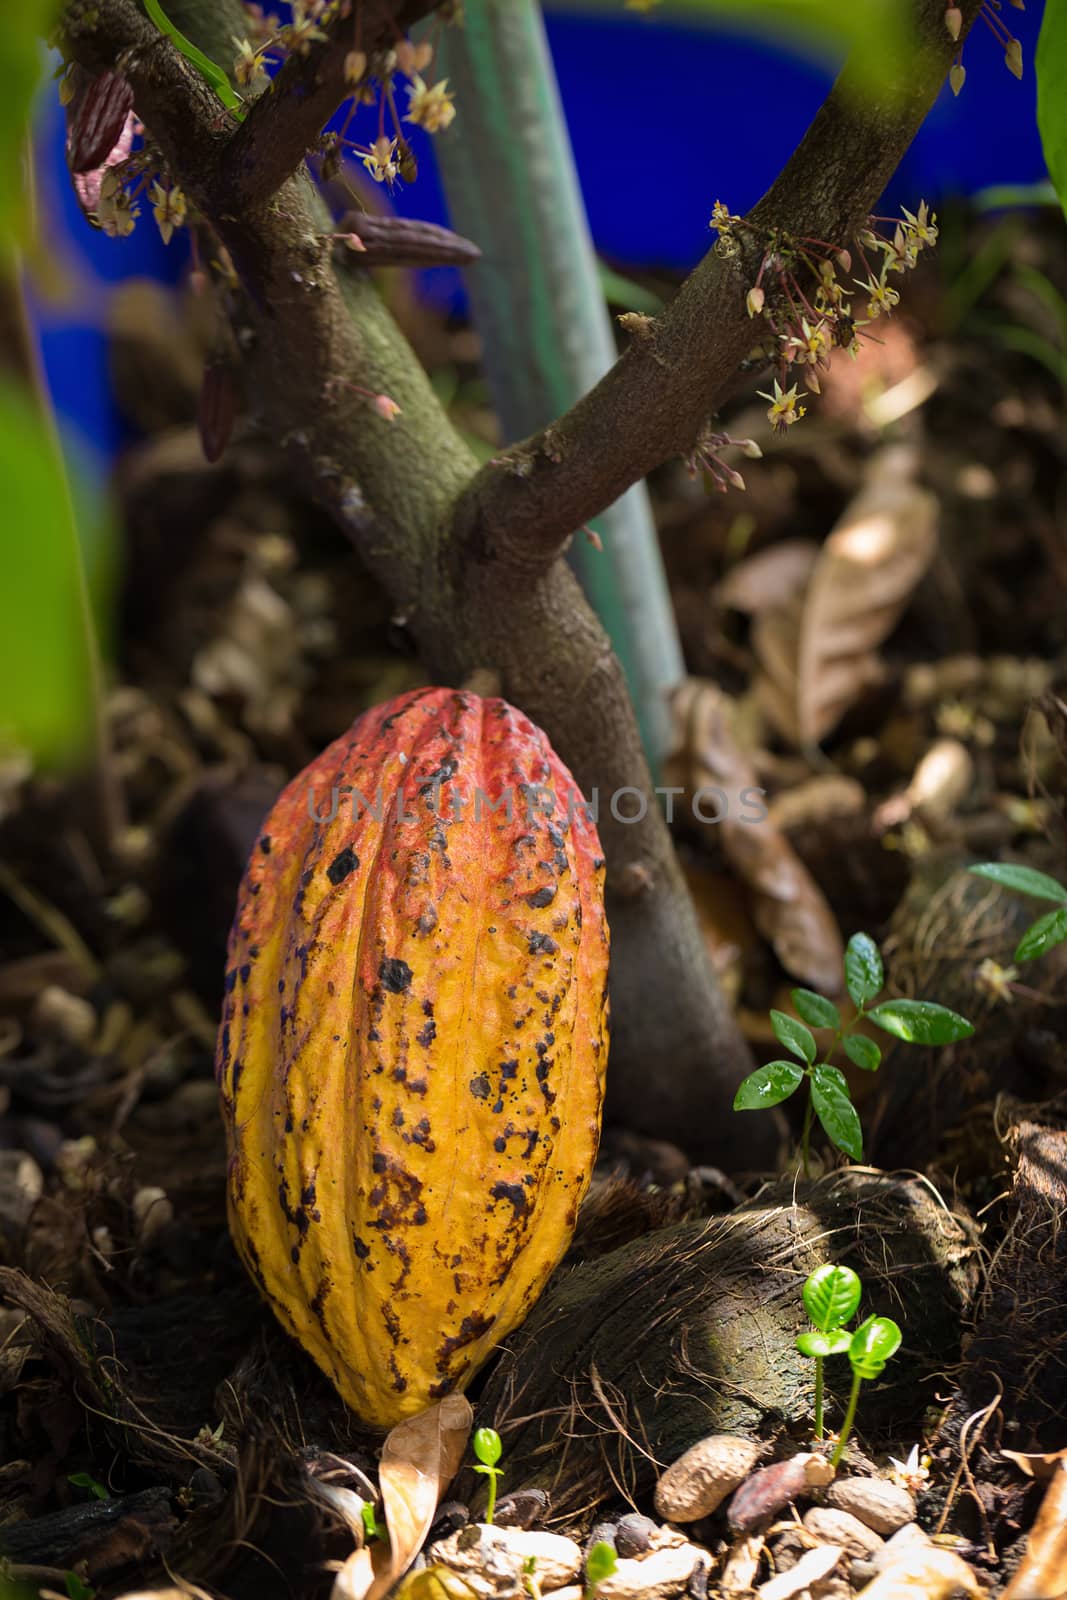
[154,1421]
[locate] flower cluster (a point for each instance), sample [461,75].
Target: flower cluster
[705,457]
[811,302]
[990,15]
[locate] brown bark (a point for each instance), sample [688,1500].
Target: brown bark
[471,558]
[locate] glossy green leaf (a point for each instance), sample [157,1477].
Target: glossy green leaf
[831,1295]
[920,1022]
[1042,935]
[768,1085]
[487,1446]
[1050,64]
[1024,880]
[816,1010]
[794,1035]
[872,1344]
[834,1109]
[824,1344]
[863,969]
[863,1052]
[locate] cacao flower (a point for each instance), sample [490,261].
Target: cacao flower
[412,1050]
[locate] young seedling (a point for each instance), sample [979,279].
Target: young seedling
[913,1021]
[85,1480]
[488,1449]
[600,1563]
[831,1296]
[870,1347]
[1049,930]
[372,1528]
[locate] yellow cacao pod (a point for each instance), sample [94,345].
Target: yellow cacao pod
[412,1050]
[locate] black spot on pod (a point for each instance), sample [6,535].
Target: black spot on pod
[480,1086]
[542,944]
[540,898]
[513,1192]
[342,865]
[395,974]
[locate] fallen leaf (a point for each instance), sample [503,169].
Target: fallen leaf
[420,1457]
[818,651]
[1040,1466]
[924,1574]
[1042,1572]
[770,579]
[812,1567]
[788,907]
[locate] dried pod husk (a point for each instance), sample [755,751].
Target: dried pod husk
[216,409]
[96,118]
[773,1488]
[412,1050]
[881,1505]
[406,242]
[698,1482]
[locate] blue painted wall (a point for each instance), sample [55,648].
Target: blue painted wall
[664,120]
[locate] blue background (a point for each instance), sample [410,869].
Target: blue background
[664,119]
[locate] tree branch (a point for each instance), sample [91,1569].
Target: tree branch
[285,122]
[654,401]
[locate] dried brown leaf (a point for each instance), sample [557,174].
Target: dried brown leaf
[771,579]
[817,652]
[1042,1572]
[788,907]
[420,1457]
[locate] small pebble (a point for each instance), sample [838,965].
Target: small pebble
[521,1509]
[699,1481]
[634,1534]
[660,1575]
[881,1505]
[813,1567]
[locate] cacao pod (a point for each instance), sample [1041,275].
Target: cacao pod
[412,1050]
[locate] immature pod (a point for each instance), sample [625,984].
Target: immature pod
[412,1051]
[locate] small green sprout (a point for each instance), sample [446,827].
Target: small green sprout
[77,1588]
[372,1528]
[831,1296]
[488,1449]
[600,1563]
[1050,929]
[529,1578]
[85,1480]
[871,1346]
[913,1021]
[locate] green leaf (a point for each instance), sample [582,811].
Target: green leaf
[834,1109]
[816,1009]
[85,1480]
[873,1342]
[863,969]
[1050,64]
[768,1086]
[824,1344]
[831,1295]
[794,1035]
[46,667]
[77,1588]
[863,1052]
[920,1022]
[600,1563]
[1042,935]
[1024,880]
[487,1446]
[20,73]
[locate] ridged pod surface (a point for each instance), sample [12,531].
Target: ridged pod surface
[412,1050]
